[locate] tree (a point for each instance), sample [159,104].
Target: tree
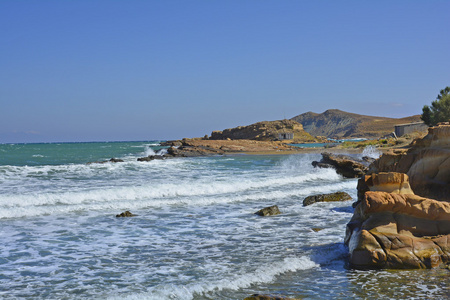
[439,110]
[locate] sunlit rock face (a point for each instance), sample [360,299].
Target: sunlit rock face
[398,231]
[427,163]
[402,216]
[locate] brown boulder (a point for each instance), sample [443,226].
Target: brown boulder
[399,231]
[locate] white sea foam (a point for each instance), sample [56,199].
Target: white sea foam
[186,192]
[263,274]
[149,151]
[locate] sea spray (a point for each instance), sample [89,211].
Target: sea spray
[372,152]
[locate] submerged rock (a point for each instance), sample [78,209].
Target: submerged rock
[338,196]
[268,211]
[344,165]
[125,214]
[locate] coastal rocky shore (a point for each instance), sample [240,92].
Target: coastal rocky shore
[402,216]
[202,147]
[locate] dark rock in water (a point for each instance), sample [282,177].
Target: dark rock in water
[339,196]
[268,211]
[125,214]
[266,297]
[344,165]
[151,157]
[114,160]
[193,151]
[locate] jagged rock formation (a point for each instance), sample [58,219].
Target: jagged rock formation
[266,131]
[344,165]
[426,162]
[338,124]
[398,231]
[338,196]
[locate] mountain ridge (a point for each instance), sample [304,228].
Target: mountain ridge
[338,124]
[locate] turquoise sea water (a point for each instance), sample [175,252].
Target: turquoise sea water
[195,235]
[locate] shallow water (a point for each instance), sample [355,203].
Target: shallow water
[195,235]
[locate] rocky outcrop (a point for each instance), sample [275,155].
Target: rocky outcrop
[266,131]
[344,165]
[391,182]
[426,162]
[192,151]
[390,230]
[392,227]
[338,196]
[268,211]
[125,214]
[338,124]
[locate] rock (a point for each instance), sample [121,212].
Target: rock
[338,196]
[390,230]
[151,157]
[268,211]
[426,162]
[266,131]
[125,214]
[344,165]
[231,146]
[390,182]
[266,297]
[193,151]
[175,143]
[113,160]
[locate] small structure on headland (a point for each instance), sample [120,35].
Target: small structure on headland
[286,136]
[403,129]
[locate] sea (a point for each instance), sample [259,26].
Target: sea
[195,234]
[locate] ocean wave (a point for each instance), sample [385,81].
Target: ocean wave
[264,274]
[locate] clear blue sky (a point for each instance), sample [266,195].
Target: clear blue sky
[143,70]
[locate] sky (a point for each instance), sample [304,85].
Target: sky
[73,71]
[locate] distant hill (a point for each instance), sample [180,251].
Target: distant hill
[335,123]
[266,131]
